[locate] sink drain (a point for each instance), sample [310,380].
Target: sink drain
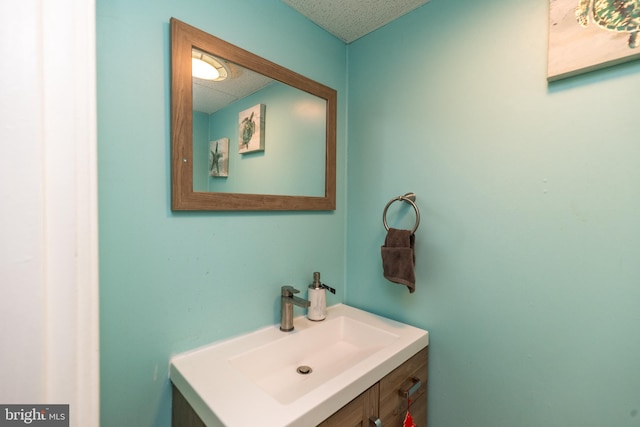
[304,370]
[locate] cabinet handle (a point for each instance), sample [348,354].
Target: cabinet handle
[375,422]
[408,392]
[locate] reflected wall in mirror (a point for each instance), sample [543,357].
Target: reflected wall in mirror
[295,171]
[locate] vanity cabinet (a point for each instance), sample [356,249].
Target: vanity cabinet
[385,401]
[182,414]
[358,412]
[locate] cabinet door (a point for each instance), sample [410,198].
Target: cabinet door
[182,414]
[393,404]
[357,412]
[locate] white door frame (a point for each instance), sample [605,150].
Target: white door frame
[48,220]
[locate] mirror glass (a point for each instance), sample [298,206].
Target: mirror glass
[255,136]
[288,125]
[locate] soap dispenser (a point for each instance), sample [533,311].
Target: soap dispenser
[318,299]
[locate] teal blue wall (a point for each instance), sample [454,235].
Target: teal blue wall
[527,255]
[170,282]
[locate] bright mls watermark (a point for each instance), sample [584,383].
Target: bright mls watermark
[35,415]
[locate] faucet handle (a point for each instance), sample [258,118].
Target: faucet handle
[288,291]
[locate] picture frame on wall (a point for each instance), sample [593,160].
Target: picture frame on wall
[251,123]
[219,158]
[585,35]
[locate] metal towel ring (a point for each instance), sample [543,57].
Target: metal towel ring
[409,198]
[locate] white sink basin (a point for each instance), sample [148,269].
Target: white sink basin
[328,349]
[253,379]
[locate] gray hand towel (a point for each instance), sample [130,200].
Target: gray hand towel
[398,258]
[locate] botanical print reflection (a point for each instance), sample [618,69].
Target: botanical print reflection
[585,35]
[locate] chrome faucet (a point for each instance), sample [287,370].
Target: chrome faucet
[287,300]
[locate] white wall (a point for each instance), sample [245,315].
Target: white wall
[48,220]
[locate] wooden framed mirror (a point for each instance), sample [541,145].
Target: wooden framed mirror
[185,40]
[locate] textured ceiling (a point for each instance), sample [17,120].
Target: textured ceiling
[351,19]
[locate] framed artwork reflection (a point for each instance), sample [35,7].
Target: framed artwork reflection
[251,129]
[219,158]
